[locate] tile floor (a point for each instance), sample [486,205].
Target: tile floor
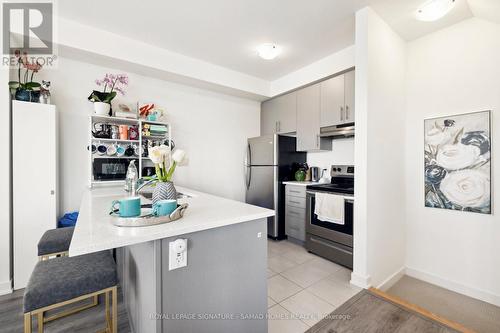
[302,287]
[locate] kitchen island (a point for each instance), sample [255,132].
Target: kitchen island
[223,288]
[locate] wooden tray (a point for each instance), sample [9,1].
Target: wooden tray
[147,218]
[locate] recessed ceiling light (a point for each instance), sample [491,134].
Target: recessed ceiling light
[434,9]
[268,51]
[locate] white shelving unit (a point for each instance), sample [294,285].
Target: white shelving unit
[143,161]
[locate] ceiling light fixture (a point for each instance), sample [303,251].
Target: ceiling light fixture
[268,51]
[434,9]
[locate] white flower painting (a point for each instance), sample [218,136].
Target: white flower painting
[458,162]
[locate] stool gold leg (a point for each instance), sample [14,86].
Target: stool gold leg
[107,312]
[114,304]
[40,322]
[27,322]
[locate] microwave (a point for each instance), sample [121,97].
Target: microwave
[111,168]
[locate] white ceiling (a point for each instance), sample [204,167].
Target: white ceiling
[400,15]
[226,32]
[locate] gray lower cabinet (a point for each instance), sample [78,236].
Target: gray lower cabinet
[223,288]
[295,212]
[279,115]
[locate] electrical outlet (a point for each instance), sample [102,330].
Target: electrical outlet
[259,234]
[177,254]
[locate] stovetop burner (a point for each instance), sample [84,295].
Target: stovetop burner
[342,181]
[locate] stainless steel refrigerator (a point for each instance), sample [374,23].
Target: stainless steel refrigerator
[271,160]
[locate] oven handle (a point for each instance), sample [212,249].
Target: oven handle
[314,193]
[316,240]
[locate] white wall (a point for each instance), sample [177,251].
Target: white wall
[379,232]
[330,65]
[211,127]
[342,153]
[5,200]
[5,216]
[87,41]
[453,71]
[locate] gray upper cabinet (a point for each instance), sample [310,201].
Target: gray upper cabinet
[279,115]
[308,120]
[332,101]
[268,118]
[305,111]
[308,114]
[349,96]
[337,100]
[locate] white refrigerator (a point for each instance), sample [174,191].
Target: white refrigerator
[34,182]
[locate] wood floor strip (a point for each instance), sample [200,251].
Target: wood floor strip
[421,311]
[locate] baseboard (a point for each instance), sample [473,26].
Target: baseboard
[5,287]
[360,281]
[391,280]
[454,286]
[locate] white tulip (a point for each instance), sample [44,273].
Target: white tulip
[164,149]
[166,153]
[179,156]
[155,155]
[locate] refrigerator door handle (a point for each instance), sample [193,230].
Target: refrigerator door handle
[248,176]
[249,155]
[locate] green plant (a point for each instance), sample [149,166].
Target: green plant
[33,67]
[115,83]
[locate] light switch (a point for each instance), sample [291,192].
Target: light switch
[177,254]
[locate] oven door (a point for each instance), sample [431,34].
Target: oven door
[340,233]
[111,168]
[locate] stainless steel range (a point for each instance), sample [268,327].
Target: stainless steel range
[333,241]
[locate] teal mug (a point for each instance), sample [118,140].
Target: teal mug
[127,207]
[164,207]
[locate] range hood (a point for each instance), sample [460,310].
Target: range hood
[337,131]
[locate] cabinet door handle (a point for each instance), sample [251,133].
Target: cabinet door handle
[295,202]
[341,113]
[347,112]
[317,140]
[279,126]
[276,126]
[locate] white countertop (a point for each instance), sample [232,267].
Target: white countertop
[304,183]
[95,232]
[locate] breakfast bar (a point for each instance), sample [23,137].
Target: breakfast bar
[223,287]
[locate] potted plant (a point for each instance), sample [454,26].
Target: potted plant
[25,89]
[165,163]
[102,99]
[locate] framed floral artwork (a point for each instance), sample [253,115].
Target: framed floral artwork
[457,163]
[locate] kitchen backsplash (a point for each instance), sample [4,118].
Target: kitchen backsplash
[342,153]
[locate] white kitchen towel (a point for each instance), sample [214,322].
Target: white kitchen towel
[329,207]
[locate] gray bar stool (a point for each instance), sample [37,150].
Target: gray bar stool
[55,242]
[65,280]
